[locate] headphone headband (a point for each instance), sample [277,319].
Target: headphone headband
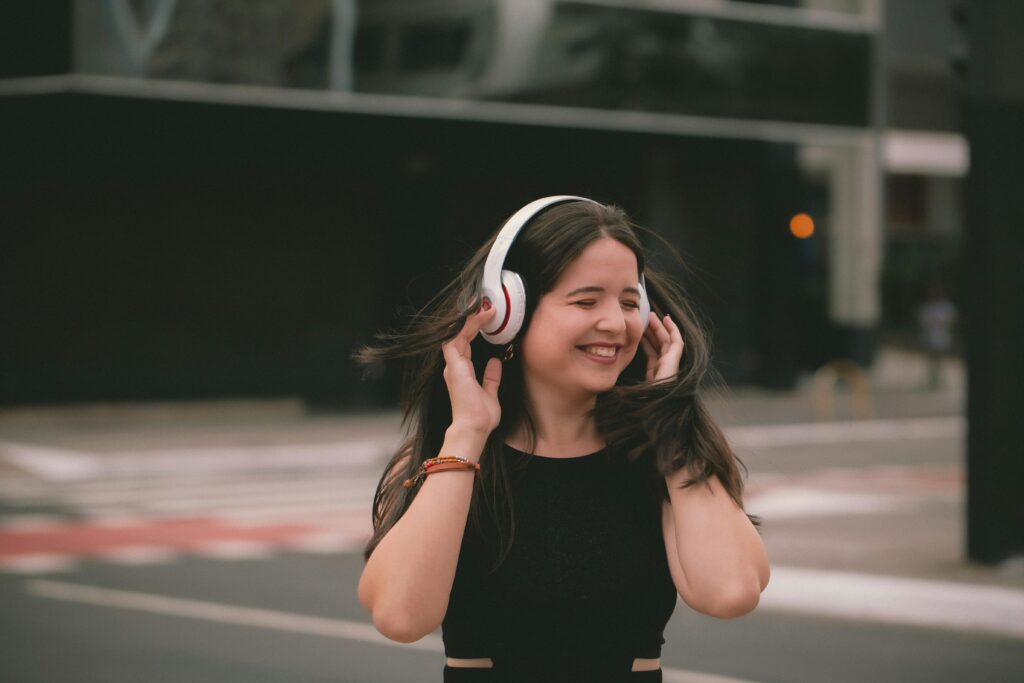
[507,235]
[505,289]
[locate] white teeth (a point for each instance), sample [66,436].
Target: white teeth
[605,351]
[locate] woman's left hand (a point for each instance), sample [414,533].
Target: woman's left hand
[663,344]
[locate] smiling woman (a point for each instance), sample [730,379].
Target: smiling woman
[583,484]
[587,329]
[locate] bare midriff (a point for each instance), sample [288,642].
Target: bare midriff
[486,663]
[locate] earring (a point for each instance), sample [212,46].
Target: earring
[510,352]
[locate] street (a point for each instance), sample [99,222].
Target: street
[260,250]
[138,557]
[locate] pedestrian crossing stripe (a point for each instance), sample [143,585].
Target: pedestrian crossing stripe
[58,548]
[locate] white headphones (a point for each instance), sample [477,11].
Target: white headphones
[505,289]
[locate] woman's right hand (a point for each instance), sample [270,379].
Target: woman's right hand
[474,405]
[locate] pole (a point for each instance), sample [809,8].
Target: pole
[994,280]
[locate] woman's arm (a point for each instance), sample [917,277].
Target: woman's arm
[407,580]
[716,557]
[408,577]
[718,562]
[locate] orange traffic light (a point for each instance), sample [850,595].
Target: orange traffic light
[801,226]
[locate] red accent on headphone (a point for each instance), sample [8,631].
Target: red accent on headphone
[508,310]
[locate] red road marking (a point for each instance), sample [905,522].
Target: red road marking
[180,534]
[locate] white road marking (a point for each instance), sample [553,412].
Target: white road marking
[272,619]
[58,464]
[328,543]
[153,488]
[139,555]
[935,604]
[37,564]
[284,496]
[308,511]
[314,495]
[225,614]
[67,465]
[795,502]
[298,512]
[669,675]
[234,550]
[26,488]
[855,431]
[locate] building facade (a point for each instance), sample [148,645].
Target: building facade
[212,199]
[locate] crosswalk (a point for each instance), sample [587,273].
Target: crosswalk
[845,491]
[56,512]
[254,495]
[60,507]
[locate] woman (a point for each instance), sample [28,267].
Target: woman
[581,485]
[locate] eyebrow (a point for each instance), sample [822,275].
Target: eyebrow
[595,288]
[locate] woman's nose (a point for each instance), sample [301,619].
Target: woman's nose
[613,319]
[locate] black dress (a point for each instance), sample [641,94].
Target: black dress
[586,587]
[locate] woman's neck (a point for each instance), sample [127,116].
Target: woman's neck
[561,427]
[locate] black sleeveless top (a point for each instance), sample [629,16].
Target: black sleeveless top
[586,587]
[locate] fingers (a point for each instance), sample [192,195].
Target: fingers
[663,344]
[457,352]
[492,376]
[664,338]
[460,342]
[654,331]
[475,322]
[663,333]
[674,333]
[653,324]
[652,358]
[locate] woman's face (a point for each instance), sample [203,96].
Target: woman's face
[585,331]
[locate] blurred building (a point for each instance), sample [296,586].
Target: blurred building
[926,159]
[226,198]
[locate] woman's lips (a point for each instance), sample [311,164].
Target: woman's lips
[604,360]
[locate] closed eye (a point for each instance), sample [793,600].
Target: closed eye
[587,303]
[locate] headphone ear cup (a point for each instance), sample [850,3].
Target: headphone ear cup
[645,306]
[514,290]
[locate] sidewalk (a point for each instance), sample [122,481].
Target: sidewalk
[897,381]
[897,390]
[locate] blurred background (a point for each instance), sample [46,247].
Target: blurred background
[208,205]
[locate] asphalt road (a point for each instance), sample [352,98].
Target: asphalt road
[261,601]
[53,640]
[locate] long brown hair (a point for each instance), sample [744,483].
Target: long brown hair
[666,421]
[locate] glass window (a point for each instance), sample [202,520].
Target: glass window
[603,55]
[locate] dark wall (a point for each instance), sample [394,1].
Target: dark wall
[177,251]
[160,250]
[35,38]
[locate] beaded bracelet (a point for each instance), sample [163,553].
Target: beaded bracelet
[441,463]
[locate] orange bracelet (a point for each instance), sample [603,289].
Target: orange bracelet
[441,463]
[444,467]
